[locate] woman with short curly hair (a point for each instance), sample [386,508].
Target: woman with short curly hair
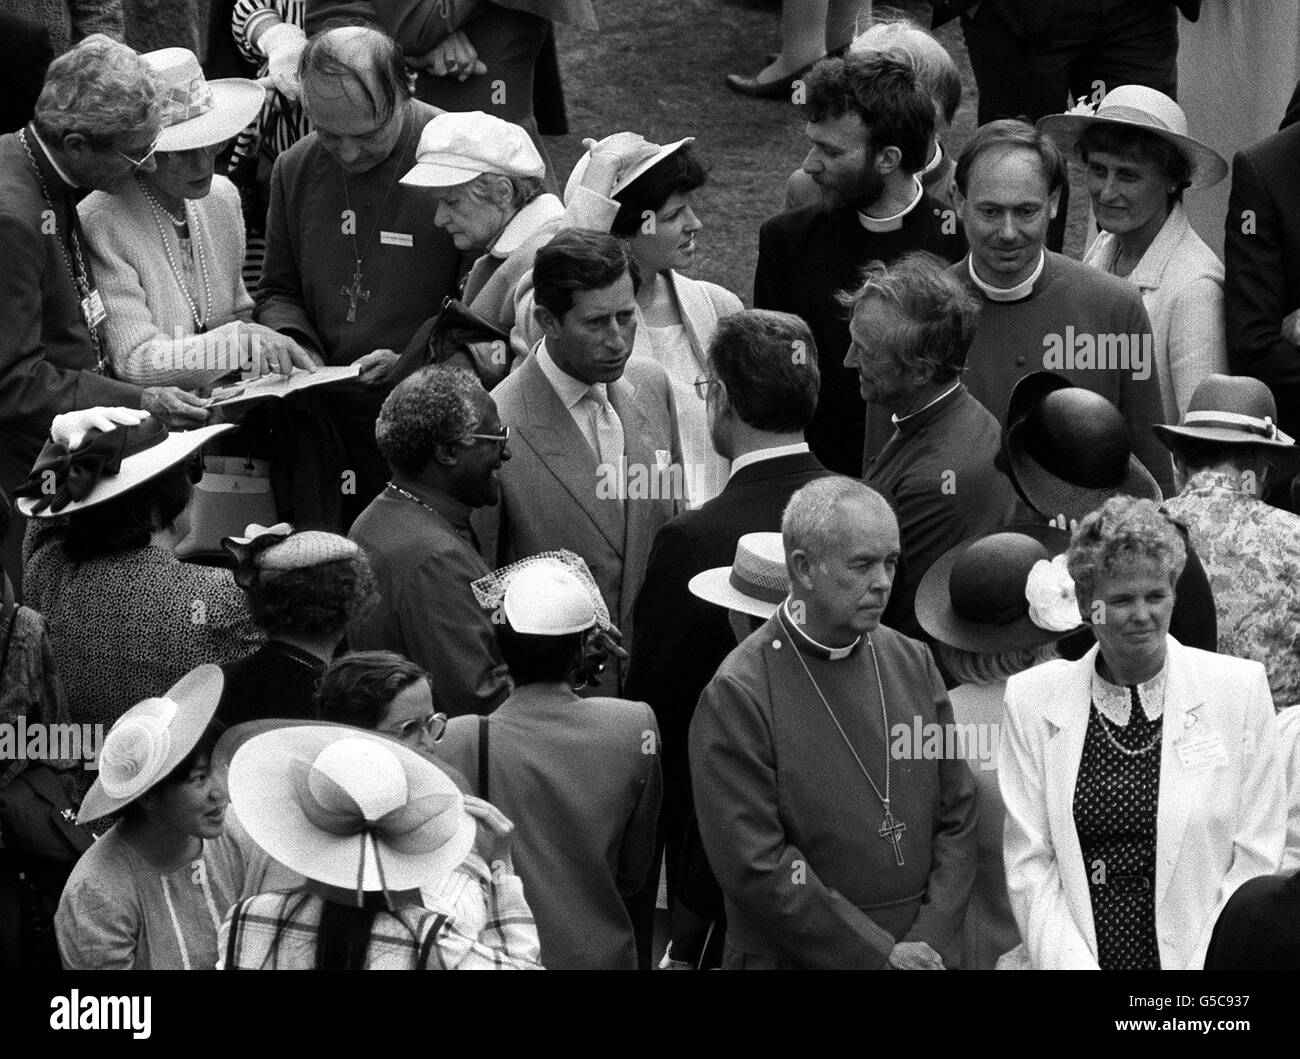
[302,590]
[1141,782]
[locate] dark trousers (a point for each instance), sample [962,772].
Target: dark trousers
[1031,67]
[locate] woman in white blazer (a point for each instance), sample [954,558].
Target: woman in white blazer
[1141,783]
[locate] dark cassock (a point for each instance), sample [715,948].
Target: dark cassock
[354,263]
[828,848]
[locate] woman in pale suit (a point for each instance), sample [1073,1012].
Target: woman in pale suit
[1141,782]
[995,608]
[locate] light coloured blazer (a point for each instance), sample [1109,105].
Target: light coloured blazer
[1182,288]
[551,488]
[1216,827]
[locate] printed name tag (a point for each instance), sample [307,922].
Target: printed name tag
[1199,753]
[396,238]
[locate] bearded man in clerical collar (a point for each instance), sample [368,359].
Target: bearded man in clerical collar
[836,843]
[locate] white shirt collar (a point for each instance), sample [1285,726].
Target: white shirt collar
[835,654]
[899,421]
[773,453]
[523,225]
[569,390]
[63,173]
[894,223]
[935,162]
[1007,294]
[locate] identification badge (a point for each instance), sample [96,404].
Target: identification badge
[92,308]
[663,459]
[1199,753]
[396,238]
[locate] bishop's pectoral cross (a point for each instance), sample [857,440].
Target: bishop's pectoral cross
[354,293]
[891,830]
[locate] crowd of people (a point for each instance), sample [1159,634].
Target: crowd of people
[940,611]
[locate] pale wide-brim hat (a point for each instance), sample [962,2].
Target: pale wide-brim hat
[625,178]
[350,809]
[105,465]
[151,739]
[755,583]
[196,112]
[1139,107]
[1232,410]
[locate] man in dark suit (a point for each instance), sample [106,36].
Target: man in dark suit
[1261,288]
[51,315]
[25,54]
[440,435]
[870,125]
[913,323]
[762,389]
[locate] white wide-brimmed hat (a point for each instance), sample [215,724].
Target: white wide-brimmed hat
[196,112]
[151,739]
[1139,107]
[625,178]
[350,809]
[456,147]
[754,584]
[105,465]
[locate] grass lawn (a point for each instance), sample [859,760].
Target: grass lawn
[657,67]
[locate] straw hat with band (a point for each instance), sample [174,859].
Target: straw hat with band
[196,112]
[351,811]
[1232,410]
[1139,107]
[991,595]
[1068,448]
[625,179]
[757,581]
[151,739]
[106,464]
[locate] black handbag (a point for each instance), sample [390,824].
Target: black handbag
[458,334]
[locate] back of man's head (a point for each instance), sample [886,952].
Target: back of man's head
[101,89]
[768,363]
[578,260]
[936,71]
[362,55]
[435,406]
[882,90]
[935,314]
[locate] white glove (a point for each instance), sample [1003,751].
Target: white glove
[282,44]
[71,427]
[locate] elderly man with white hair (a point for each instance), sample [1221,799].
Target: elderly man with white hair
[837,842]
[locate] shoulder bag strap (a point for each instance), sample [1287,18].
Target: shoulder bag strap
[483,758]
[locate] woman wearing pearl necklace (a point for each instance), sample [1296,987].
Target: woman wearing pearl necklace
[168,246]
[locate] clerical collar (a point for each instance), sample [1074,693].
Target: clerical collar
[807,644]
[894,223]
[910,418]
[1007,294]
[934,163]
[1115,701]
[49,157]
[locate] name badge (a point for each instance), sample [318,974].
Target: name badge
[1200,753]
[663,459]
[92,308]
[396,238]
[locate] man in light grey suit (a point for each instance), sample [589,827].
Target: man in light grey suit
[597,464]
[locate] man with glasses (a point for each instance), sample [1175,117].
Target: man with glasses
[598,462]
[442,438]
[759,398]
[354,264]
[95,123]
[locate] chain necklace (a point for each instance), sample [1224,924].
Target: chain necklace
[412,497]
[1140,751]
[353,291]
[200,324]
[891,829]
[79,274]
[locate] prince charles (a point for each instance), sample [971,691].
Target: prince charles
[831,852]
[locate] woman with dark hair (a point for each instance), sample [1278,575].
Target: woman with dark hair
[579,776]
[303,588]
[1141,782]
[151,893]
[126,617]
[382,692]
[389,902]
[1139,161]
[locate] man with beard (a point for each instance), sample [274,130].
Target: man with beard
[870,126]
[354,263]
